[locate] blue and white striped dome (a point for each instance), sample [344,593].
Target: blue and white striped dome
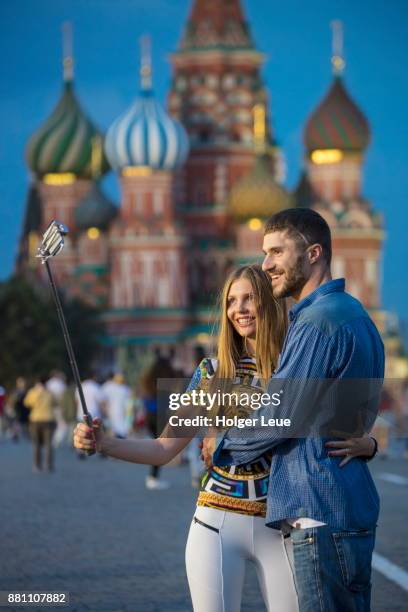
[145,135]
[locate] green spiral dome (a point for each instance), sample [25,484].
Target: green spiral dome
[64,142]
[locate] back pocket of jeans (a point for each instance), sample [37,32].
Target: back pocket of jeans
[354,551]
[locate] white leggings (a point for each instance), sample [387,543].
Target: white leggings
[216,553]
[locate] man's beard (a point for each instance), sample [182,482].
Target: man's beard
[294,281]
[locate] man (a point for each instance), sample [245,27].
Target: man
[330,513]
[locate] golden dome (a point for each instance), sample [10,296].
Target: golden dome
[257,194]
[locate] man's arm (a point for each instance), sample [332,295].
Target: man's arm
[308,354]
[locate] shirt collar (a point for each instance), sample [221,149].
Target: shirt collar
[333,286]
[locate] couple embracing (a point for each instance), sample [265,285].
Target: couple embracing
[303,509]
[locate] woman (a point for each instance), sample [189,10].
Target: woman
[228,526]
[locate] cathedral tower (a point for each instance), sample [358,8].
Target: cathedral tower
[256,196]
[93,217]
[59,157]
[147,247]
[216,83]
[336,137]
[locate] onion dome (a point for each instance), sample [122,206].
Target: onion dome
[145,135]
[257,194]
[337,123]
[64,142]
[95,210]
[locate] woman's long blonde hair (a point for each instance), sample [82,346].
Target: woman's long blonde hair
[271,326]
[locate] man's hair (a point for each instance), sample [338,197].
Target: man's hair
[305,226]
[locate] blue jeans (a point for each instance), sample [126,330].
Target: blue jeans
[333,569]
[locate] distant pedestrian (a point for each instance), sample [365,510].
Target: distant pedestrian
[41,404]
[19,409]
[94,398]
[69,410]
[117,397]
[193,450]
[161,368]
[56,384]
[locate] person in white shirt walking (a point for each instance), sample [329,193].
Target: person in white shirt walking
[56,385]
[94,398]
[117,396]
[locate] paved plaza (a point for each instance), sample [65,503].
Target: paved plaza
[92,529]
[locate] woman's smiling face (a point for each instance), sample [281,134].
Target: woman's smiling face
[241,308]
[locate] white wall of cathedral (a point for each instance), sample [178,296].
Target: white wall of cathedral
[148,278]
[143,203]
[338,267]
[341,180]
[60,201]
[147,197]
[362,274]
[248,241]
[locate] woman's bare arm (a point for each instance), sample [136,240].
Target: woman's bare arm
[145,451]
[150,452]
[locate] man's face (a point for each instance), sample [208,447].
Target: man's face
[286,263]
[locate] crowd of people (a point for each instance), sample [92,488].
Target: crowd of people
[46,411]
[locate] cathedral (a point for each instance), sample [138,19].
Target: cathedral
[197,181]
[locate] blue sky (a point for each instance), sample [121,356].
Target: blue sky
[296,38]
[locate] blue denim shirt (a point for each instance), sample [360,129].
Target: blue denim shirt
[330,336]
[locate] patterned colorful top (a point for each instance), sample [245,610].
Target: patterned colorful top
[234,488]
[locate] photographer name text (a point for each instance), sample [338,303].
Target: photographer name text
[224,421]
